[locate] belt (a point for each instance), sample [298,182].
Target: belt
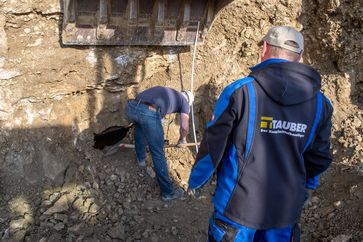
[150,105]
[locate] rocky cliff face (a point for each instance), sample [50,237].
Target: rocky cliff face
[55,186]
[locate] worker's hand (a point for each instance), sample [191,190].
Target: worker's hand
[181,142]
[308,196]
[194,193]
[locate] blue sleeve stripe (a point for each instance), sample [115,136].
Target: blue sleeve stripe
[201,172]
[316,120]
[223,100]
[227,180]
[312,183]
[251,118]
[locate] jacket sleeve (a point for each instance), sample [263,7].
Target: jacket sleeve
[215,140]
[318,157]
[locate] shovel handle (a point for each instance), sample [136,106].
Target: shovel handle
[132,146]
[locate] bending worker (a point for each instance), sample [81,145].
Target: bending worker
[146,111]
[269,133]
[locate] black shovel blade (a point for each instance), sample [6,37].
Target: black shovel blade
[110,136]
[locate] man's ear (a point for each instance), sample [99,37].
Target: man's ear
[264,50]
[301,59]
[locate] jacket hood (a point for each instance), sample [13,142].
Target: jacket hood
[287,83]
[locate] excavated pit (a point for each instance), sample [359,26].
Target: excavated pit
[54,186]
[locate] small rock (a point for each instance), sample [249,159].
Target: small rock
[75,229]
[117,232]
[44,239]
[53,221]
[61,217]
[114,217]
[357,122]
[126,205]
[137,236]
[146,234]
[150,172]
[113,177]
[324,233]
[8,74]
[81,229]
[46,203]
[326,210]
[55,237]
[356,191]
[154,238]
[338,204]
[17,224]
[174,230]
[342,238]
[55,196]
[19,235]
[108,170]
[315,200]
[93,208]
[107,238]
[96,185]
[78,203]
[59,226]
[87,185]
[60,206]
[331,215]
[120,211]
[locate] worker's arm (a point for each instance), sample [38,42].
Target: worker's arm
[318,156]
[184,128]
[215,139]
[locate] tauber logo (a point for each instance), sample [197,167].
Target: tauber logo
[269,125]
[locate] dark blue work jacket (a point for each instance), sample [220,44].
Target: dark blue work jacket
[270,133]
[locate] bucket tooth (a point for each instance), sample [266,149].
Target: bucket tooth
[103,18]
[160,14]
[138,22]
[69,11]
[133,6]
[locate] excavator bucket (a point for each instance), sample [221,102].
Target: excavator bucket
[138,22]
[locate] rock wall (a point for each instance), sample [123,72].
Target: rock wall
[335,47]
[53,97]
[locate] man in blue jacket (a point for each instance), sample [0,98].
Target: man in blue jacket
[146,111]
[269,135]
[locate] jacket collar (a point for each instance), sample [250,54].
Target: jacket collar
[267,62]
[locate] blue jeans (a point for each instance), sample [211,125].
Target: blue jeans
[149,131]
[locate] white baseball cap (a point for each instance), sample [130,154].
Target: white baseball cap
[285,37]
